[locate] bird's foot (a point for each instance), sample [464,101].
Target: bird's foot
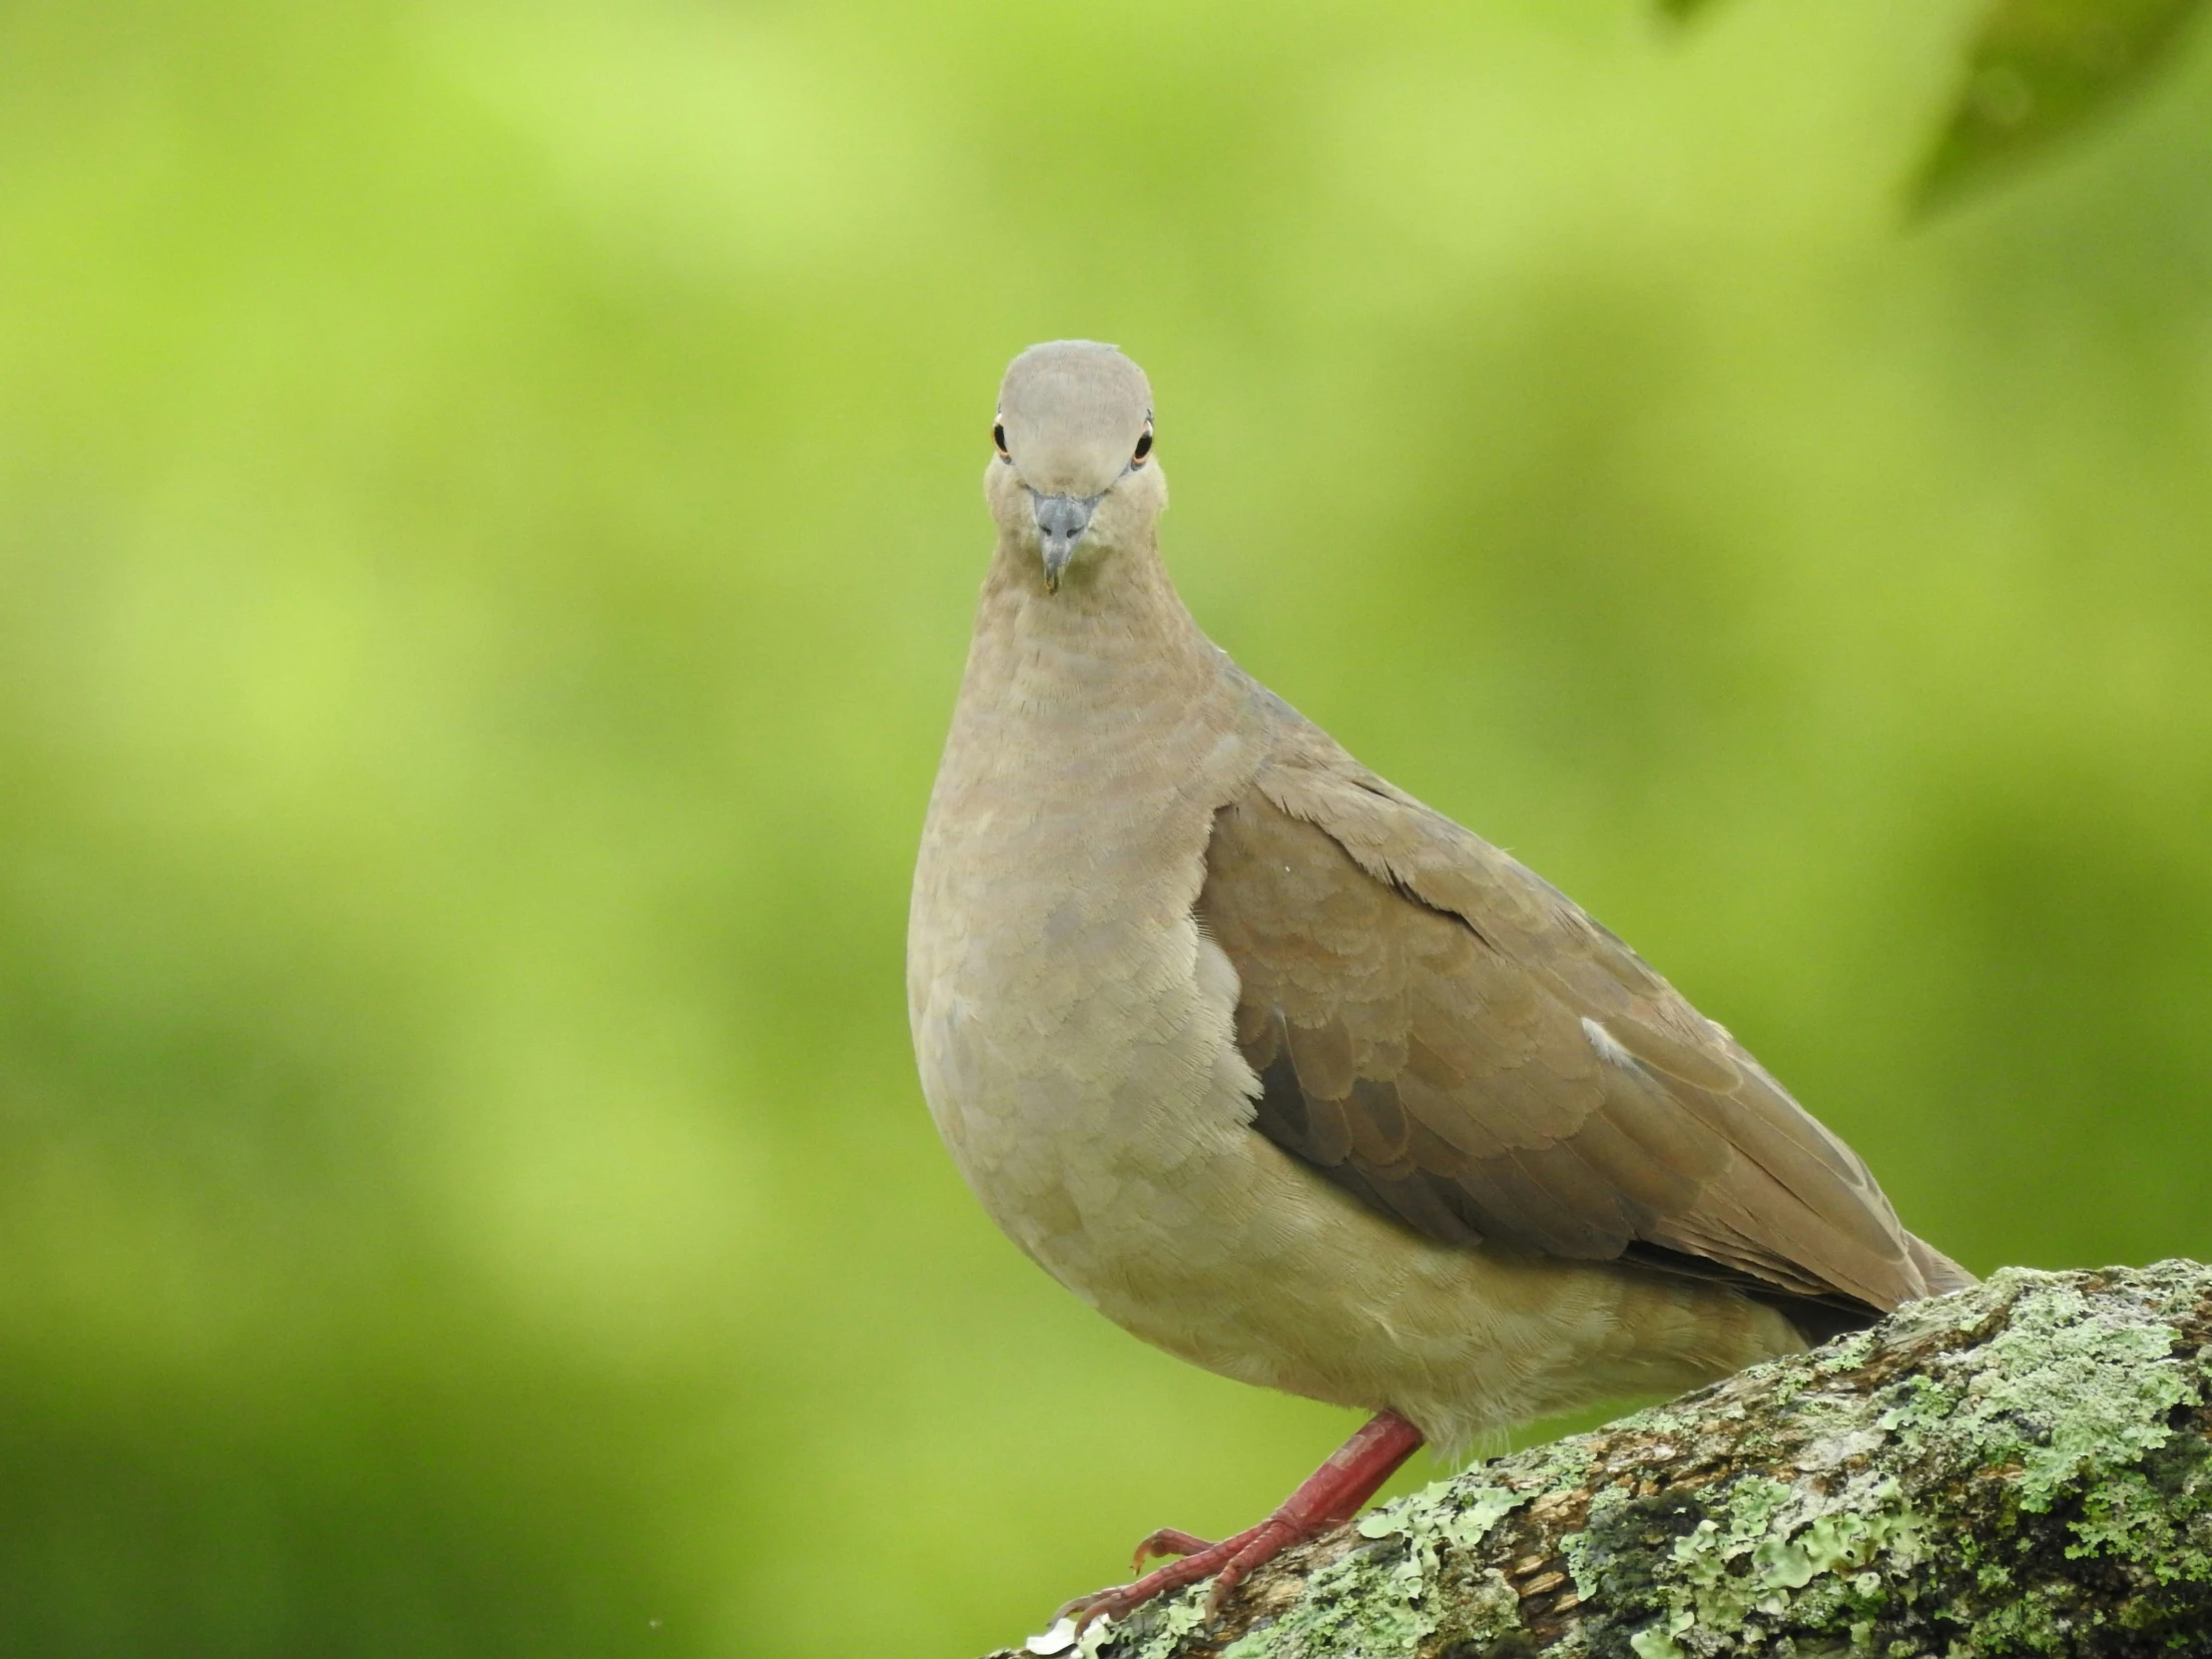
[1169,1540]
[1226,1563]
[1329,1497]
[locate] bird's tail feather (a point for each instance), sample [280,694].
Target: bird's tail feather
[1940,1272]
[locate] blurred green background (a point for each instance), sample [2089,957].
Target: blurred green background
[488,515]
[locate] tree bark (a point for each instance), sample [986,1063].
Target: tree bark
[2024,1467]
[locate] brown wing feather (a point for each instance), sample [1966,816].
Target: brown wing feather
[1448,1037]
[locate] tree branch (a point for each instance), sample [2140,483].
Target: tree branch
[2020,1469]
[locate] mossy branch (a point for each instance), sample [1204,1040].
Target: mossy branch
[2024,1467]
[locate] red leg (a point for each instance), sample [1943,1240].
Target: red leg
[1331,1495]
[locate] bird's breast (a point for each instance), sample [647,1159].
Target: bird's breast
[1072,1026]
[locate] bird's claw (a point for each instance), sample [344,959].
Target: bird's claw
[1168,1540]
[1261,1546]
[1228,1564]
[1330,1497]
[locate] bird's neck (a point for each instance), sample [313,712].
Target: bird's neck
[1116,626]
[1097,731]
[1098,691]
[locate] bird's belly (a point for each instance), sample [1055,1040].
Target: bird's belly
[1287,1282]
[1194,1232]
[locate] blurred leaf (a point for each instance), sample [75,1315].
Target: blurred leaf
[2039,70]
[1681,11]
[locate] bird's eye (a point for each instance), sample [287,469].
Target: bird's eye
[999,439]
[1144,446]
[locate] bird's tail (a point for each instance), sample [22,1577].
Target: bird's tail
[1940,1272]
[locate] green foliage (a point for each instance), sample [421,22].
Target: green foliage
[2040,69]
[2037,69]
[488,511]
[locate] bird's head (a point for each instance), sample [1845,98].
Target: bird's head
[1074,480]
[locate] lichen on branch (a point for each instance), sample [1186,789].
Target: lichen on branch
[2024,1467]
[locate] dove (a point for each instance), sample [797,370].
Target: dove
[1289,1075]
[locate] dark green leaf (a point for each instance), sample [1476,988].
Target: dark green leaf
[2040,68]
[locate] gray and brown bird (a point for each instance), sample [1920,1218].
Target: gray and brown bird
[1289,1074]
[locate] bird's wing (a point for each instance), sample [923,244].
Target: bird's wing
[1445,1033]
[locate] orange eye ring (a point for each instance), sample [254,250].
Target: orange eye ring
[1144,446]
[999,441]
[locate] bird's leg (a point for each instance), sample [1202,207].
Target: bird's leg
[1330,1496]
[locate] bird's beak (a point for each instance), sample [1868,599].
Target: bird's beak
[1061,521]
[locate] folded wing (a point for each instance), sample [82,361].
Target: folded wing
[1444,1035]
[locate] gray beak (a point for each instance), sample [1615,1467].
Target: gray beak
[1061,521]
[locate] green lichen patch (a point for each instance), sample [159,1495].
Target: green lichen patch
[1405,1590]
[1845,1354]
[2071,1409]
[1458,1512]
[2034,1395]
[2066,1389]
[1156,1632]
[1726,1567]
[1359,1604]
